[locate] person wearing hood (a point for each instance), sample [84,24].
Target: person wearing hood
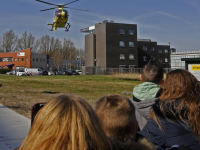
[175,117]
[145,94]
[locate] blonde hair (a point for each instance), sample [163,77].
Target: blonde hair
[117,115]
[66,123]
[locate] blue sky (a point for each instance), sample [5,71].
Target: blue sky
[164,21]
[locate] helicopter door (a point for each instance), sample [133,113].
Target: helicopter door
[66,13]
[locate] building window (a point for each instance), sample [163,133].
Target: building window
[15,59]
[131,32]
[159,50]
[121,44]
[18,59]
[1,59]
[122,66]
[36,59]
[10,59]
[131,44]
[40,59]
[160,60]
[33,59]
[121,31]
[5,59]
[26,59]
[144,48]
[122,57]
[22,59]
[43,59]
[144,58]
[131,57]
[166,50]
[152,48]
[166,60]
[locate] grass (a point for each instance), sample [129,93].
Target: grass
[20,93]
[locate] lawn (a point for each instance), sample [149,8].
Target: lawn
[21,92]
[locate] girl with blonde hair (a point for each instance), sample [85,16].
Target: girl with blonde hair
[66,123]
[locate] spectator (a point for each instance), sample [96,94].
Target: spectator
[175,118]
[117,115]
[66,123]
[144,95]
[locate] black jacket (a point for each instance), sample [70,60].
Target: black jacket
[173,132]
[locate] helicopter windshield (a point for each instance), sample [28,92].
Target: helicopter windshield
[58,13]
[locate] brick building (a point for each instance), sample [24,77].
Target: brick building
[23,59]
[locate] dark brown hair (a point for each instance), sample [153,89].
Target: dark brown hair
[152,72]
[117,115]
[183,91]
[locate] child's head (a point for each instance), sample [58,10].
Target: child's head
[66,122]
[117,115]
[152,72]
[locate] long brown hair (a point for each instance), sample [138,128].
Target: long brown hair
[117,115]
[183,91]
[66,123]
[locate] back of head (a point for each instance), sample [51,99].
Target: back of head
[66,123]
[182,90]
[117,115]
[152,72]
[180,84]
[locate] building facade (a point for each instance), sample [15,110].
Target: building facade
[23,59]
[115,45]
[177,56]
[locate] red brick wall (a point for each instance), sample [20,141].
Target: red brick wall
[25,63]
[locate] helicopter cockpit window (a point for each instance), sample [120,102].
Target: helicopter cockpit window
[57,13]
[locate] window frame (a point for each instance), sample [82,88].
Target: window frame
[121,58]
[121,43]
[121,31]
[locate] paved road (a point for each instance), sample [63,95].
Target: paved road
[13,128]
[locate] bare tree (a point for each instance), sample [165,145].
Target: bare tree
[9,41]
[57,59]
[68,50]
[48,45]
[27,41]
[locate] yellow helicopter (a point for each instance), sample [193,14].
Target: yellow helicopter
[60,16]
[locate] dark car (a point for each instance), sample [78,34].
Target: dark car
[67,72]
[74,72]
[43,73]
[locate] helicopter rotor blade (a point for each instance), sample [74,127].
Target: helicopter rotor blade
[46,2]
[49,9]
[70,2]
[76,9]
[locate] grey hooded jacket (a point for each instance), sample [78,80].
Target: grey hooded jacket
[144,96]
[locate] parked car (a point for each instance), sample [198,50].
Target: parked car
[21,73]
[50,73]
[79,71]
[43,73]
[74,72]
[11,72]
[67,72]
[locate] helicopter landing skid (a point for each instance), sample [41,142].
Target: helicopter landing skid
[52,27]
[67,27]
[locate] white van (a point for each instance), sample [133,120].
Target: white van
[32,71]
